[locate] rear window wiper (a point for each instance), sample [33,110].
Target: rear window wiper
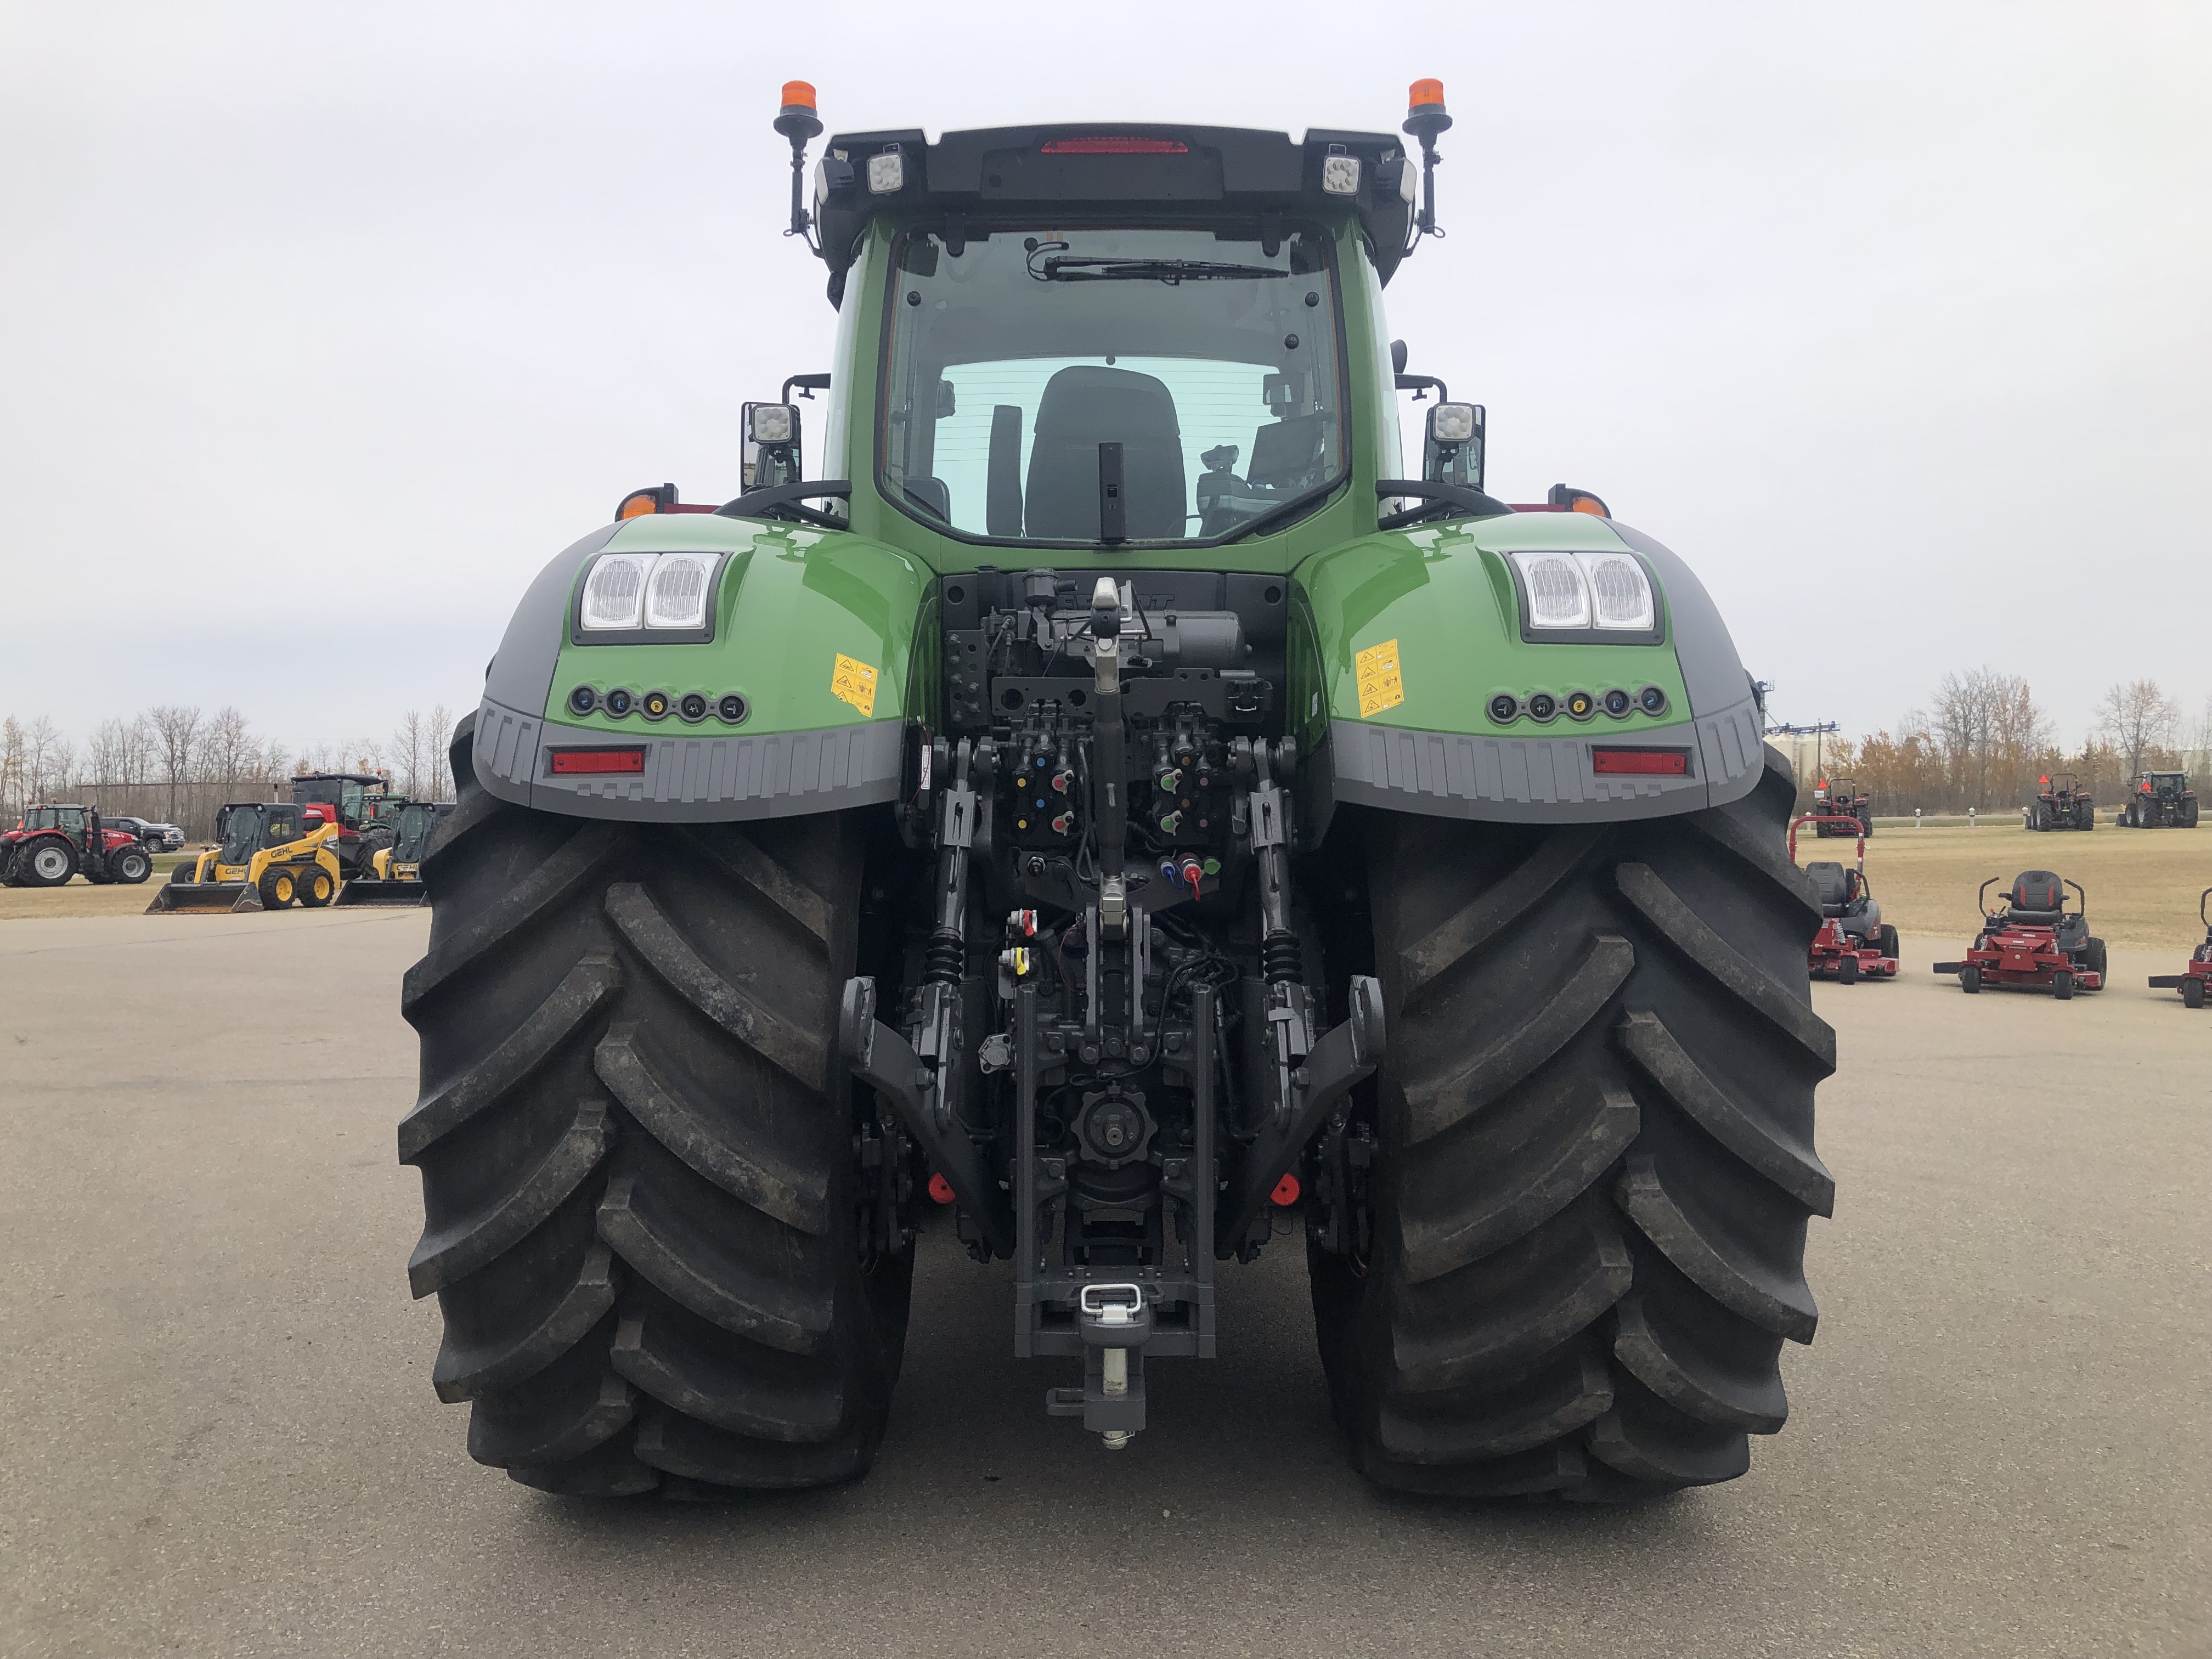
[1105,268]
[1283,511]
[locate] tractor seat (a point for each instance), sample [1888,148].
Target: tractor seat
[1836,887]
[1082,407]
[2038,900]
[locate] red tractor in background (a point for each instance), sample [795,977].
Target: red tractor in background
[1842,810]
[55,842]
[2161,801]
[2063,805]
[1853,942]
[2034,943]
[2195,981]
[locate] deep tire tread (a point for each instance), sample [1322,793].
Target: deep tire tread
[1597,1165]
[638,1156]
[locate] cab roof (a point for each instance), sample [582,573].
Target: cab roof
[1105,169]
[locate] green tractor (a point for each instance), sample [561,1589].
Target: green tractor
[1116,806]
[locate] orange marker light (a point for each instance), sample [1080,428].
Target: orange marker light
[1426,92]
[1591,505]
[637,506]
[940,1190]
[798,94]
[1285,1193]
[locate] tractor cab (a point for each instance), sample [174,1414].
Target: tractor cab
[354,795]
[357,802]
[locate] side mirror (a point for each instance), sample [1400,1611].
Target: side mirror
[771,448]
[1452,452]
[1397,356]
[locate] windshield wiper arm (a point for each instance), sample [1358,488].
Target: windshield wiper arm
[1289,509]
[1105,267]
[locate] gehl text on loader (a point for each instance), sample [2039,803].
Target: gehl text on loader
[1103,796]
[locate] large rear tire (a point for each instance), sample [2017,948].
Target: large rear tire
[48,863]
[1595,1158]
[639,1151]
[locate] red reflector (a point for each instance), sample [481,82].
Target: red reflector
[1661,762]
[1287,1191]
[940,1190]
[1117,147]
[570,762]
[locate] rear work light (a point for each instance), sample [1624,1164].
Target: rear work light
[1640,762]
[1116,147]
[587,762]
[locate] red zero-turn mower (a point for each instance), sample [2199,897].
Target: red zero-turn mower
[2034,942]
[1853,942]
[2195,981]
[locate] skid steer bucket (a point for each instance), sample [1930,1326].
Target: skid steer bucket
[385,892]
[204,898]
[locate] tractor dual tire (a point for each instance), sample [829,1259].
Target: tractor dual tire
[639,1151]
[1589,1216]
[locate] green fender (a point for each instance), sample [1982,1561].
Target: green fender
[1401,641]
[828,637]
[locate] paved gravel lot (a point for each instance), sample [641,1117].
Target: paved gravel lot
[219,1434]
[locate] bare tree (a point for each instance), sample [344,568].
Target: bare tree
[106,755]
[407,742]
[13,765]
[176,742]
[47,755]
[228,750]
[2199,757]
[2137,718]
[1991,734]
[441,738]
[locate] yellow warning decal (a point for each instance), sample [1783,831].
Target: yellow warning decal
[1381,685]
[854,682]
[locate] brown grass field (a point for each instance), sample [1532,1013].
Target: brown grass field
[2142,883]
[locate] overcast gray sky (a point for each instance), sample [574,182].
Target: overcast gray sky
[323,326]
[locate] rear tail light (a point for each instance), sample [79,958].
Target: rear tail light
[1116,146]
[585,763]
[1640,762]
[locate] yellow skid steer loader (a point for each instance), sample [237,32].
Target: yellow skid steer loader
[272,854]
[394,875]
